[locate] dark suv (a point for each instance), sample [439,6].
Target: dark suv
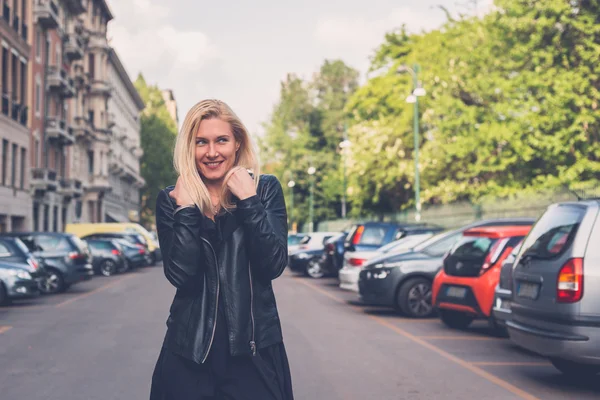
[67,260]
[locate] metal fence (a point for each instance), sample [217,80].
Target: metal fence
[453,215]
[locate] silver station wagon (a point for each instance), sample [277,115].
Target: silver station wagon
[556,288]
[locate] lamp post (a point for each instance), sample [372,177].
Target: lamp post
[345,144]
[413,98]
[311,171]
[291,185]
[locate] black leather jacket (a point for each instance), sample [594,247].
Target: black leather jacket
[249,259]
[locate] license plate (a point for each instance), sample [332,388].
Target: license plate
[528,290]
[454,291]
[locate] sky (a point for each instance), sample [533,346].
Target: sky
[239,52]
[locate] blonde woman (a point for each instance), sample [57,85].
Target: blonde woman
[223,235]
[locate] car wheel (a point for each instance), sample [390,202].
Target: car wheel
[455,319]
[108,268]
[126,267]
[152,259]
[497,329]
[54,282]
[574,369]
[4,300]
[314,269]
[413,298]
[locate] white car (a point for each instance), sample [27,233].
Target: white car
[312,241]
[354,260]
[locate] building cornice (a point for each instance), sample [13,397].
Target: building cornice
[105,9]
[114,59]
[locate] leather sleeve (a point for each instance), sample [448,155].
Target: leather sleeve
[265,226]
[178,236]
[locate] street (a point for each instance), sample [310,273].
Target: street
[100,340]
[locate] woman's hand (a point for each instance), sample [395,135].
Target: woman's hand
[240,183]
[180,195]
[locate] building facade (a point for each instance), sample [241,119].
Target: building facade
[171,103]
[15,36]
[56,132]
[124,108]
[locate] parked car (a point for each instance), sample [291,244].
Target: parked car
[87,229]
[556,288]
[354,260]
[304,260]
[12,249]
[136,256]
[107,256]
[66,259]
[463,290]
[372,235]
[503,293]
[17,281]
[138,240]
[327,265]
[294,239]
[312,241]
[403,281]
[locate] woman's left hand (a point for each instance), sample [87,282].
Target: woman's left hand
[241,183]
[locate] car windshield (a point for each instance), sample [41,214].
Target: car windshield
[294,239]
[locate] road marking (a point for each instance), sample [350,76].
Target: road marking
[450,337]
[5,329]
[465,364]
[97,290]
[511,364]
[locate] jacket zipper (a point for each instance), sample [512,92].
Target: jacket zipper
[252,342]
[216,302]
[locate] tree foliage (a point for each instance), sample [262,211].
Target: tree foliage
[158,132]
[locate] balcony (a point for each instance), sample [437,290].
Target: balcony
[45,13]
[74,47]
[99,183]
[58,131]
[98,40]
[70,188]
[59,82]
[43,179]
[79,74]
[82,129]
[75,6]
[116,166]
[101,87]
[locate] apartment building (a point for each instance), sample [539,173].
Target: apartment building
[56,134]
[15,199]
[124,108]
[171,104]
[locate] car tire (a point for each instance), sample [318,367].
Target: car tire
[152,259]
[497,329]
[455,320]
[54,282]
[575,370]
[108,268]
[314,269]
[4,300]
[413,298]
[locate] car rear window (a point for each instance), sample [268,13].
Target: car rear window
[78,243]
[101,244]
[473,248]
[553,234]
[371,235]
[53,243]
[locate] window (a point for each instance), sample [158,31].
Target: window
[23,160]
[46,217]
[36,155]
[4,160]
[38,45]
[55,219]
[91,118]
[91,162]
[13,174]
[38,96]
[36,221]
[553,234]
[23,84]
[92,62]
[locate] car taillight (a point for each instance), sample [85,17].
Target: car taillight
[330,247]
[358,234]
[34,264]
[116,252]
[74,255]
[142,251]
[569,286]
[356,262]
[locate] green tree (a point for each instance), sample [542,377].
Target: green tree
[158,132]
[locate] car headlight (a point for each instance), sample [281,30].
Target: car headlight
[19,273]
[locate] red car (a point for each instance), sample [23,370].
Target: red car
[464,288]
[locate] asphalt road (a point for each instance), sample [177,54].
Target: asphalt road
[101,340]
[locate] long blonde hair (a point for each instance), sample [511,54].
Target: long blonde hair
[184,157]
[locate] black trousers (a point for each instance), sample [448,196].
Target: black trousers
[265,376]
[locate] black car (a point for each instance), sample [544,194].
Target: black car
[133,238]
[13,250]
[136,257]
[330,262]
[302,260]
[66,259]
[17,281]
[107,256]
[403,281]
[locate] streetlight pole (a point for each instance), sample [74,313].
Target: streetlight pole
[414,98]
[311,172]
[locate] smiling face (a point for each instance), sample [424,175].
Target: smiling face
[215,149]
